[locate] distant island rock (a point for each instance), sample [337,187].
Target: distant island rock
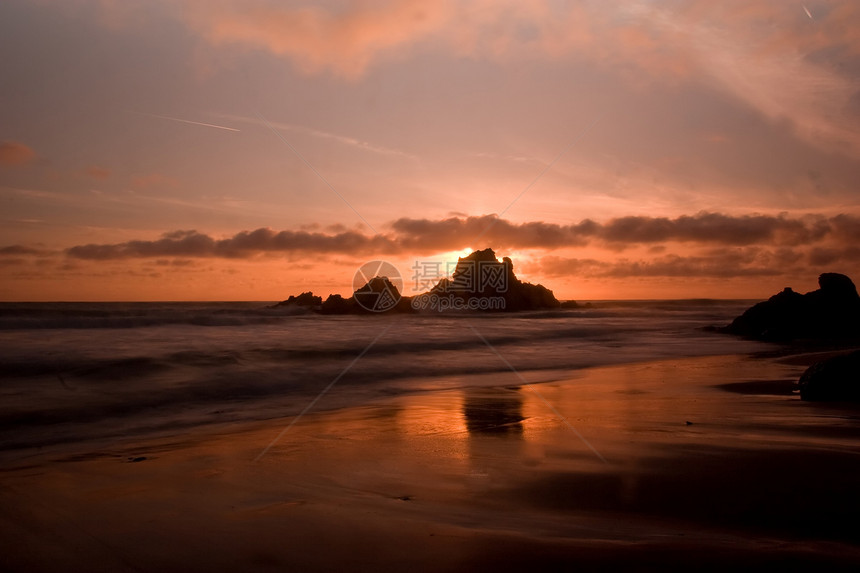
[480,275]
[377,295]
[478,278]
[832,380]
[306,299]
[830,312]
[336,304]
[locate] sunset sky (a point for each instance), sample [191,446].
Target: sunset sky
[253,149]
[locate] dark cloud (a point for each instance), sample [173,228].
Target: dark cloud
[704,228]
[716,263]
[20,250]
[242,245]
[711,228]
[729,264]
[176,243]
[820,256]
[459,232]
[425,236]
[846,227]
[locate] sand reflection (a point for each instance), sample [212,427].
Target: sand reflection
[493,411]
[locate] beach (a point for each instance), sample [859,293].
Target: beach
[696,462]
[370,286]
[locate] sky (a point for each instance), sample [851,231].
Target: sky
[254,149]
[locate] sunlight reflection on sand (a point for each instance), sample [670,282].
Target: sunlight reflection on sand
[484,473]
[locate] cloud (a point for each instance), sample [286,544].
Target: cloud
[23,250]
[769,55]
[315,38]
[347,39]
[772,57]
[714,228]
[15,153]
[456,233]
[668,266]
[96,172]
[720,264]
[18,250]
[702,228]
[822,256]
[846,228]
[246,244]
[425,236]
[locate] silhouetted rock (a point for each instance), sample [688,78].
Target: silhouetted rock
[306,299]
[479,282]
[481,278]
[835,379]
[336,304]
[570,304]
[379,294]
[832,311]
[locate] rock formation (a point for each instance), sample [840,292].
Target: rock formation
[835,379]
[336,304]
[481,275]
[378,295]
[478,278]
[306,299]
[830,312]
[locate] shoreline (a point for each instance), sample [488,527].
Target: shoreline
[692,474]
[400,388]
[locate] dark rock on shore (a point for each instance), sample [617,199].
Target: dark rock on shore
[830,312]
[834,379]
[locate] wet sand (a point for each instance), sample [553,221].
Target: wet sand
[694,463]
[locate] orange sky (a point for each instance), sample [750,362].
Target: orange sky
[248,150]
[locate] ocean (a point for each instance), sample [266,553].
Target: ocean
[72,372]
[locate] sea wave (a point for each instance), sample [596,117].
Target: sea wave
[70,382]
[48,316]
[25,316]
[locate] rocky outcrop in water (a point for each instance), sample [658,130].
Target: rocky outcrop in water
[378,295]
[306,299]
[830,312]
[479,282]
[336,304]
[480,277]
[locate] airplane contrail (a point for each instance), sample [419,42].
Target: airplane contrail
[808,13]
[187,121]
